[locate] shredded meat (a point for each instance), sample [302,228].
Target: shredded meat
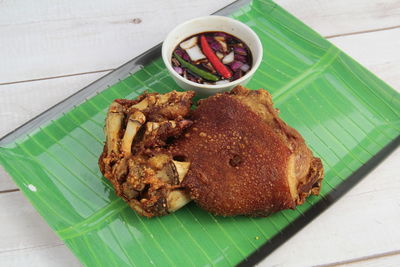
[142,172]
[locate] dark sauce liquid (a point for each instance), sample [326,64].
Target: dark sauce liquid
[232,52]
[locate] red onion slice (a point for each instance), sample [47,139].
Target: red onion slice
[236,65]
[179,70]
[237,75]
[245,67]
[240,51]
[240,58]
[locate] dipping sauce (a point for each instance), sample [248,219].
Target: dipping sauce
[212,58]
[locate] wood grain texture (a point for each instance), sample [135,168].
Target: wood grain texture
[45,39]
[363,222]
[17,107]
[57,255]
[388,259]
[378,51]
[339,17]
[26,239]
[6,183]
[19,219]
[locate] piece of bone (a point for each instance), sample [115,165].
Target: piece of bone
[129,192]
[137,206]
[135,121]
[176,199]
[144,176]
[165,98]
[181,168]
[114,120]
[158,132]
[136,175]
[142,105]
[168,174]
[120,169]
[158,161]
[152,126]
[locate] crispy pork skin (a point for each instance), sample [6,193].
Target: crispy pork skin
[244,159]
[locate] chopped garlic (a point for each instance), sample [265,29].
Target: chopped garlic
[195,53]
[189,43]
[228,58]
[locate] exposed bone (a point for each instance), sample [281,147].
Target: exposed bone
[135,121]
[177,199]
[114,120]
[136,205]
[152,126]
[182,169]
[135,175]
[156,204]
[172,173]
[162,99]
[128,191]
[150,100]
[154,130]
[146,176]
[120,169]
[158,161]
[165,98]
[158,132]
[169,174]
[142,105]
[162,175]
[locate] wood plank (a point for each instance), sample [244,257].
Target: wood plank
[58,255]
[363,222]
[338,17]
[20,102]
[388,259]
[378,51]
[6,183]
[21,225]
[74,36]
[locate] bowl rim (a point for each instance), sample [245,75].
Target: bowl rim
[254,67]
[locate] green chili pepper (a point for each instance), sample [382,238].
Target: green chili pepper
[202,73]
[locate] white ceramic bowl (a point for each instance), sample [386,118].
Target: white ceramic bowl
[207,24]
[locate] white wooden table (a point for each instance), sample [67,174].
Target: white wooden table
[50,49]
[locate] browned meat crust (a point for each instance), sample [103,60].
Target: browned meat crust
[142,172]
[244,159]
[233,155]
